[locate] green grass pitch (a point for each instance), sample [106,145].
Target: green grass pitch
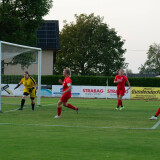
[98,132]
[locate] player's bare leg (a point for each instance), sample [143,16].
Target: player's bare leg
[70,106]
[22,102]
[59,109]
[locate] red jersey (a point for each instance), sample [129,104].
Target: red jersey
[121,84]
[66,83]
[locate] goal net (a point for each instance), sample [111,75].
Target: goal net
[15,60]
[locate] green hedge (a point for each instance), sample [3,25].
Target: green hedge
[78,80]
[86,80]
[101,81]
[145,82]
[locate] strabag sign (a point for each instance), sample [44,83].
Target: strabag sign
[81,91]
[93,91]
[112,92]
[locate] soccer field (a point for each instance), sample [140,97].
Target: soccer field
[98,132]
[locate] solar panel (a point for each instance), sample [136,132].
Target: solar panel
[48,35]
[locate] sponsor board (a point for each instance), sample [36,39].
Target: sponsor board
[93,91]
[10,91]
[145,93]
[46,92]
[112,92]
[57,90]
[81,91]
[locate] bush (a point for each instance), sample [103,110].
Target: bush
[145,82]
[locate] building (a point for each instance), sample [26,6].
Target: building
[48,40]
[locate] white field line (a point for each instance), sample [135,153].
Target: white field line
[28,107]
[67,126]
[49,104]
[156,125]
[13,110]
[140,128]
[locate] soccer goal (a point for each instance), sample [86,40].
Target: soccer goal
[15,60]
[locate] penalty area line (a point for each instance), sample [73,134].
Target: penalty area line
[156,125]
[68,126]
[17,109]
[48,104]
[13,110]
[28,107]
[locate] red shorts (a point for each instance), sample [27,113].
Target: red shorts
[65,97]
[121,91]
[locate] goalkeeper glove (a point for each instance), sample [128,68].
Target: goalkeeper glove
[17,86]
[31,89]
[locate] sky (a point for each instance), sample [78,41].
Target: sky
[136,21]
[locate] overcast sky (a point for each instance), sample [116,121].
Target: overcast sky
[136,21]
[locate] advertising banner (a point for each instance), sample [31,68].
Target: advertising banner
[46,92]
[93,91]
[81,91]
[145,93]
[19,91]
[57,90]
[10,90]
[112,92]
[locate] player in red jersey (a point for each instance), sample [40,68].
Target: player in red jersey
[156,115]
[120,80]
[66,93]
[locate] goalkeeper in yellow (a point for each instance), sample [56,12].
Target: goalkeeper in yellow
[30,89]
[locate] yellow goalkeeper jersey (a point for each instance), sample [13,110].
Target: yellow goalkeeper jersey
[29,83]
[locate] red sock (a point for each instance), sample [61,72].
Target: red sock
[70,106]
[59,110]
[158,112]
[121,102]
[118,104]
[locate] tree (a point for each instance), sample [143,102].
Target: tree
[19,21]
[152,64]
[90,47]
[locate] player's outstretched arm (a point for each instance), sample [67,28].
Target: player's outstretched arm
[128,85]
[18,85]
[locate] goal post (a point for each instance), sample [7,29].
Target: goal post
[39,77]
[0,73]
[11,50]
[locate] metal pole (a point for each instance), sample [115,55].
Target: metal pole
[0,74]
[39,77]
[106,88]
[126,72]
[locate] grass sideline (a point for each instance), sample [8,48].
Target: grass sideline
[38,136]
